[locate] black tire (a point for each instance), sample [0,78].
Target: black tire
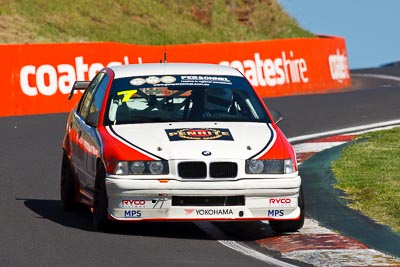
[67,185]
[293,225]
[100,201]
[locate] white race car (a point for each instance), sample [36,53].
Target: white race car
[182,142]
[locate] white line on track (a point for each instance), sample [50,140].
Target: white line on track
[315,147]
[218,235]
[378,76]
[345,130]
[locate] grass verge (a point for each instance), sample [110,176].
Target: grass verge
[369,173]
[144,21]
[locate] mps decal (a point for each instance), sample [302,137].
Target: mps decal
[132,213]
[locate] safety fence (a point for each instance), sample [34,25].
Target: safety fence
[37,78]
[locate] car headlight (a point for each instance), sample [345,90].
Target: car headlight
[121,168]
[137,167]
[288,166]
[270,166]
[156,167]
[149,167]
[255,166]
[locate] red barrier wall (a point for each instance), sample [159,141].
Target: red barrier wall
[37,78]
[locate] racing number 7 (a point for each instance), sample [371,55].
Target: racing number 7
[127,94]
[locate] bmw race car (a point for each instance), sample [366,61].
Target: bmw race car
[178,142]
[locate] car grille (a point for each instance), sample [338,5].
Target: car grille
[223,169]
[192,170]
[198,170]
[208,201]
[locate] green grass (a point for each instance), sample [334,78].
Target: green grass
[369,172]
[144,21]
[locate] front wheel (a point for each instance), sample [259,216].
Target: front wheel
[100,200]
[292,225]
[67,185]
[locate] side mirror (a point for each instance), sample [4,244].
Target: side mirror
[78,85]
[92,119]
[276,116]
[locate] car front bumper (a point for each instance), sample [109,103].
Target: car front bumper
[153,200]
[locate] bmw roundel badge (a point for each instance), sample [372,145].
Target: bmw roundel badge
[206,153]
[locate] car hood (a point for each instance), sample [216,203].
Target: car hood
[185,140]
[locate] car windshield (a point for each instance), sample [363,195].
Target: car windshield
[172,98]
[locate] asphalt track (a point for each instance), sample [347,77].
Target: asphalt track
[36,232]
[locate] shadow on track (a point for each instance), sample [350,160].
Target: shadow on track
[82,219]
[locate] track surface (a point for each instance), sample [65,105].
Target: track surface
[36,232]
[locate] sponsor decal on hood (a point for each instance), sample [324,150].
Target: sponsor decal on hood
[175,141]
[199,134]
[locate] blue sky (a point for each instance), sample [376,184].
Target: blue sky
[371,27]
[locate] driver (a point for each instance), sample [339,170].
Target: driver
[217,100]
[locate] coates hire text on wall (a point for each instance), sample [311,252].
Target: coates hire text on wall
[37,78]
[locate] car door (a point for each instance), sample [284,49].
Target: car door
[85,126]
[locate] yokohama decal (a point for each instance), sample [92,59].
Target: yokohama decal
[213,212]
[189,211]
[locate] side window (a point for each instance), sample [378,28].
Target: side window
[98,97]
[89,94]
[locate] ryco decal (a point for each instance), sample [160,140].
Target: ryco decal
[133,203]
[279,202]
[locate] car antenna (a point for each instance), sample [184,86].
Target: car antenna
[165,50]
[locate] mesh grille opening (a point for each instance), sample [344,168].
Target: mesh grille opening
[208,201]
[192,170]
[223,169]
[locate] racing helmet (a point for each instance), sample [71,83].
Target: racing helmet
[218,99]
